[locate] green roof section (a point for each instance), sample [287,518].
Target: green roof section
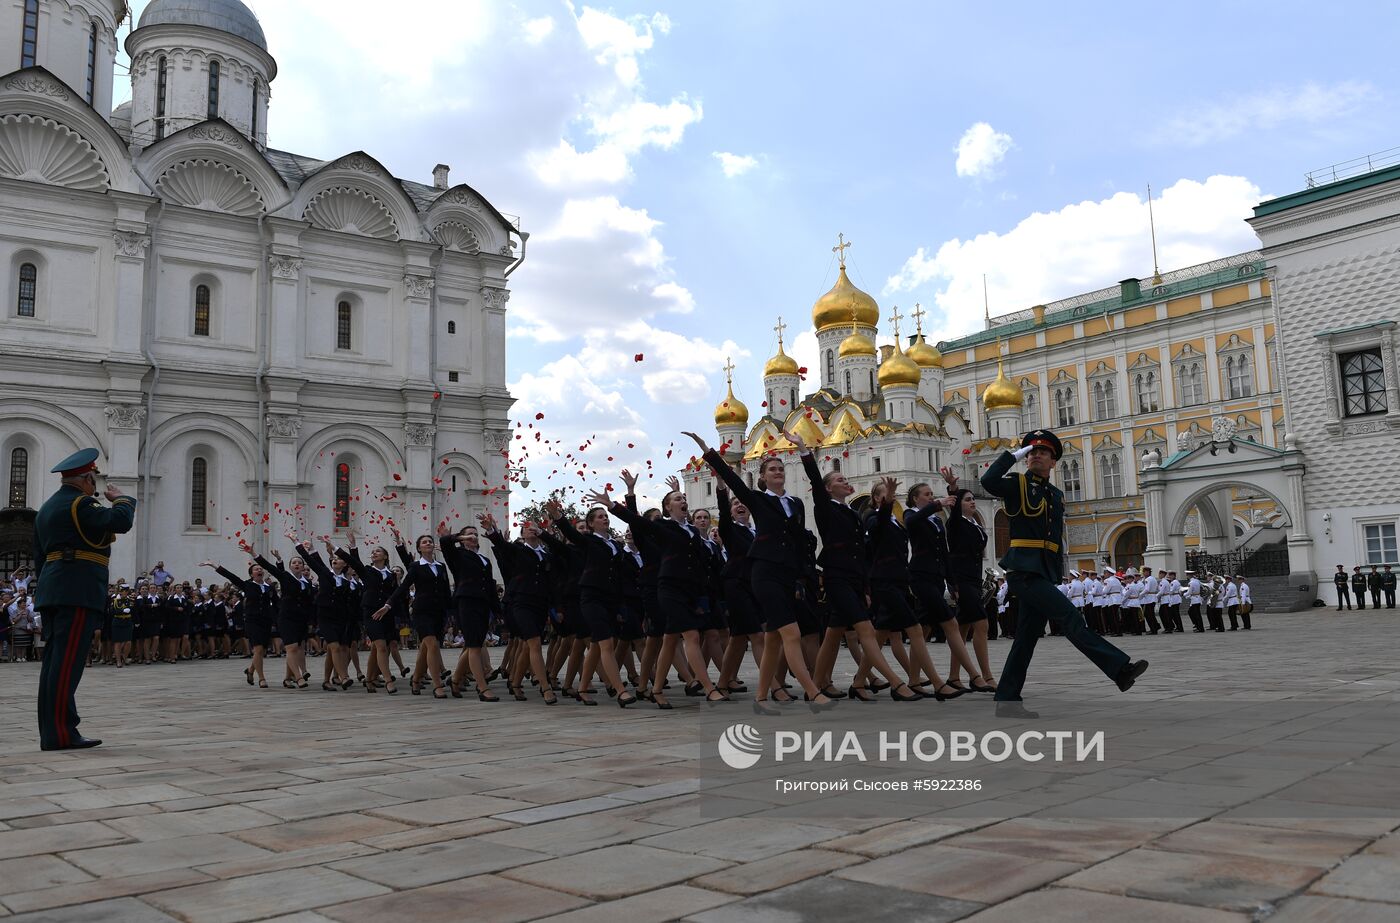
[1114,304]
[1327,191]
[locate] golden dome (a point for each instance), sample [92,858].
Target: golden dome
[857,344]
[924,355]
[834,308]
[731,411]
[898,370]
[1002,393]
[781,364]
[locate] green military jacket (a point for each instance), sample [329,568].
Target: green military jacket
[1035,511]
[73,536]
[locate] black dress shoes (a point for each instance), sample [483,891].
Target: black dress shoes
[1015,710]
[1129,674]
[78,743]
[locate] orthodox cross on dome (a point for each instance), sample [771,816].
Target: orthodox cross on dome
[918,315]
[729,370]
[780,328]
[855,316]
[895,318]
[840,249]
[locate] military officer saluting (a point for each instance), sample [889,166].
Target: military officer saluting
[1033,564]
[73,536]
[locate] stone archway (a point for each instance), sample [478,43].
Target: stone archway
[1129,545]
[1202,478]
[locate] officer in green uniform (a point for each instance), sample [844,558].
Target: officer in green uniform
[1388,585]
[1358,586]
[73,536]
[1034,564]
[1339,580]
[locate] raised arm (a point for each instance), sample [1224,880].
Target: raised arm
[313,560]
[230,576]
[996,479]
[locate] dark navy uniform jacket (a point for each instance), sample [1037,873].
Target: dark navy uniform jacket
[73,535]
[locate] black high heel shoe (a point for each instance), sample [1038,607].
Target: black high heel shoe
[583,701]
[761,707]
[818,707]
[345,686]
[710,696]
[981,687]
[878,686]
[831,692]
[695,689]
[626,699]
[942,696]
[327,687]
[661,703]
[517,693]
[486,695]
[913,695]
[441,690]
[415,688]
[456,690]
[854,694]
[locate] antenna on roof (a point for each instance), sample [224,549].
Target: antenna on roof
[1152,225]
[986,305]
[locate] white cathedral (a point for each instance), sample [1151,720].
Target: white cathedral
[241,331]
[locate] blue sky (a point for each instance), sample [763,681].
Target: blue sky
[945,140]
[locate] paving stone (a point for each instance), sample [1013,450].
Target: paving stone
[1224,882]
[742,839]
[1365,877]
[616,871]
[422,836]
[125,910]
[555,792]
[33,873]
[113,797]
[223,819]
[651,907]
[258,896]
[966,874]
[892,838]
[484,897]
[26,806]
[1082,841]
[318,831]
[101,889]
[57,839]
[446,810]
[426,865]
[776,871]
[1298,847]
[1313,908]
[159,855]
[575,834]
[1067,905]
[833,899]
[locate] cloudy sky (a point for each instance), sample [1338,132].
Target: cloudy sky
[684,169]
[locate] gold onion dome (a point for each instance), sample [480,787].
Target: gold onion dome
[857,344]
[898,370]
[924,355]
[781,364]
[834,308]
[731,411]
[1002,393]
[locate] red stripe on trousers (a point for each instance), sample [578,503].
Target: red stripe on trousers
[60,705]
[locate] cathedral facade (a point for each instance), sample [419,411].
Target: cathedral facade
[252,338]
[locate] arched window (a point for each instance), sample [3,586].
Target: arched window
[836,464]
[29,38]
[213,111]
[201,310]
[1064,406]
[342,496]
[1145,385]
[28,290]
[1190,385]
[451,327]
[831,366]
[18,494]
[343,318]
[92,64]
[253,121]
[1070,477]
[199,491]
[1237,376]
[1110,475]
[1031,408]
[871,381]
[848,381]
[1105,402]
[161,86]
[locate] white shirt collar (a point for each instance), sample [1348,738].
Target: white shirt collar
[432,564]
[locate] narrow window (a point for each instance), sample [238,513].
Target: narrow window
[848,381]
[19,478]
[876,462]
[342,496]
[836,464]
[29,40]
[342,325]
[831,367]
[201,311]
[452,376]
[213,112]
[199,491]
[92,63]
[253,133]
[28,289]
[161,78]
[1363,383]
[1111,475]
[451,327]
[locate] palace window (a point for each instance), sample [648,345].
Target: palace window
[452,376]
[1363,382]
[213,110]
[848,381]
[162,78]
[1380,543]
[342,496]
[1031,410]
[836,464]
[831,366]
[876,462]
[1190,384]
[91,64]
[1071,479]
[343,318]
[1105,401]
[29,38]
[199,491]
[1148,392]
[1110,475]
[1238,376]
[18,494]
[28,290]
[1064,407]
[201,310]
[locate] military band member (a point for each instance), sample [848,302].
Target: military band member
[1174,612]
[1132,604]
[1035,509]
[1339,580]
[1149,601]
[1076,591]
[1232,603]
[1215,605]
[1373,582]
[73,536]
[1358,587]
[1113,602]
[1246,603]
[1193,600]
[1388,587]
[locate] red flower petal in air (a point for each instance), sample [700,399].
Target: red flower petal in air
[637,357]
[397,476]
[764,404]
[539,416]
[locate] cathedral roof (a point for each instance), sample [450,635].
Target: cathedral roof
[224,15]
[1002,392]
[834,309]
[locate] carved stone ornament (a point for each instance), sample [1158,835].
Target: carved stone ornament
[131,244]
[215,133]
[462,197]
[283,426]
[33,83]
[419,286]
[495,298]
[497,440]
[1361,429]
[43,150]
[419,433]
[125,416]
[358,162]
[1222,429]
[1183,442]
[285,267]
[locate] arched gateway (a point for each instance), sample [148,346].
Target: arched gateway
[1202,478]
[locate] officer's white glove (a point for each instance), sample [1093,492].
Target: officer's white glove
[1022,452]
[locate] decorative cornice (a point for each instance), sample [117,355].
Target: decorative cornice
[125,416]
[284,426]
[494,298]
[419,433]
[34,83]
[419,286]
[285,267]
[131,244]
[462,197]
[217,134]
[497,440]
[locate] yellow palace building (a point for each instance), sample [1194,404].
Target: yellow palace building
[1154,365]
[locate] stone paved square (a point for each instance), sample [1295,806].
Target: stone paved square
[214,801]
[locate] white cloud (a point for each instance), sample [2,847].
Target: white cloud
[537,30]
[679,299]
[1307,104]
[735,164]
[980,149]
[1080,248]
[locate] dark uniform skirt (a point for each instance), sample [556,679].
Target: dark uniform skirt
[599,610]
[680,609]
[777,589]
[473,619]
[428,624]
[653,619]
[970,608]
[933,608]
[892,610]
[291,626]
[845,601]
[526,620]
[121,628]
[259,632]
[741,608]
[629,620]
